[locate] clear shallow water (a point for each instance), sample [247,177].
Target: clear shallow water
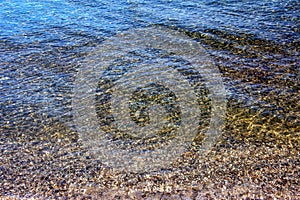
[43,43]
[255,45]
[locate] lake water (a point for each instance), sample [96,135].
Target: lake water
[254,44]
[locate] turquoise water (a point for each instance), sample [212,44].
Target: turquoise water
[255,45]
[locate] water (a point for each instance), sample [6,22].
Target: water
[43,44]
[255,45]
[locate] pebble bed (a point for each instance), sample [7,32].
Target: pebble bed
[57,167]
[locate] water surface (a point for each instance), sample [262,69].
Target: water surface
[254,44]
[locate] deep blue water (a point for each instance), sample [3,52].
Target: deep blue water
[255,44]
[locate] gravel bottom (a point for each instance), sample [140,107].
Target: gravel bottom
[58,167]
